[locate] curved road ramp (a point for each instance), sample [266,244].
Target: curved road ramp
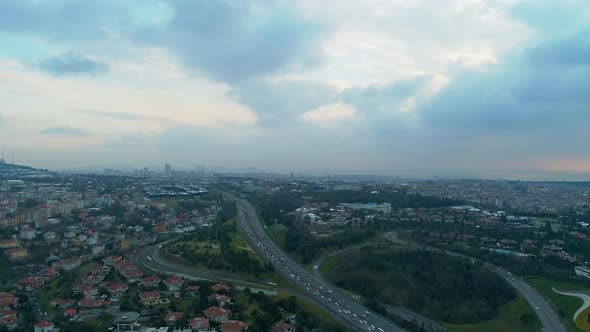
[583,296]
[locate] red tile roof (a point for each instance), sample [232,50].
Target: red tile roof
[117,287]
[216,312]
[173,317]
[92,303]
[233,325]
[149,295]
[200,322]
[43,324]
[150,279]
[173,280]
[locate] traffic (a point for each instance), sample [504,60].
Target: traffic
[339,305]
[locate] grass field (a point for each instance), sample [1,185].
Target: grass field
[102,323]
[567,304]
[508,320]
[62,286]
[582,320]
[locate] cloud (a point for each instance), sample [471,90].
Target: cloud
[278,103]
[67,20]
[64,130]
[122,115]
[72,64]
[387,97]
[518,95]
[234,41]
[330,114]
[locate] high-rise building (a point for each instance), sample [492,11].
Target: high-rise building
[167,169]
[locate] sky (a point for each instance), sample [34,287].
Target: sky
[458,88]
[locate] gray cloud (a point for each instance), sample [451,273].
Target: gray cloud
[64,130]
[277,104]
[233,41]
[386,97]
[519,95]
[65,20]
[72,64]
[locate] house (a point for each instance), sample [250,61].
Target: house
[49,274]
[149,282]
[117,289]
[10,322]
[93,305]
[127,321]
[173,284]
[70,313]
[233,326]
[283,327]
[7,300]
[150,297]
[124,265]
[221,299]
[71,263]
[30,283]
[111,260]
[217,314]
[172,318]
[44,326]
[4,313]
[200,324]
[62,303]
[85,289]
[93,279]
[101,270]
[192,290]
[132,275]
[218,287]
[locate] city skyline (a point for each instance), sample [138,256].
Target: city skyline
[410,88]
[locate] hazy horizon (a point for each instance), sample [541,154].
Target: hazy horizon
[463,88]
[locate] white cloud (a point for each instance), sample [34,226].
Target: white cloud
[330,114]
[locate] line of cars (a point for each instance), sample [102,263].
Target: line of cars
[340,305]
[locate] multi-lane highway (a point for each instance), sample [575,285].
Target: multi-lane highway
[547,315]
[340,306]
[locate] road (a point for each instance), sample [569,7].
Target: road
[549,318]
[157,263]
[340,306]
[404,314]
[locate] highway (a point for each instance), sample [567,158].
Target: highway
[548,317]
[340,306]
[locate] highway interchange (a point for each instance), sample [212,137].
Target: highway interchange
[341,307]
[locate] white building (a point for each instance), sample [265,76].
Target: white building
[383,207]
